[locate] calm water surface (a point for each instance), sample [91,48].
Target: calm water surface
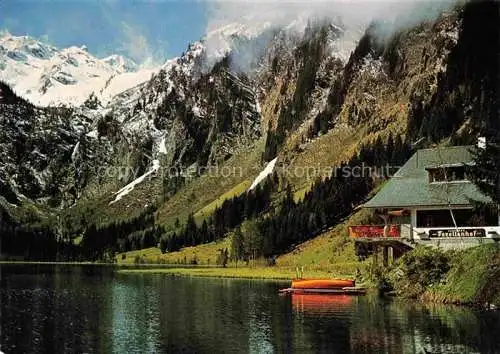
[89,309]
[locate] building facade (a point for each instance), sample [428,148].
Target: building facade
[431,200]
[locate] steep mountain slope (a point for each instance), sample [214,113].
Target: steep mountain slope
[411,85]
[29,137]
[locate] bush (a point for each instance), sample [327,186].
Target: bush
[418,270]
[473,278]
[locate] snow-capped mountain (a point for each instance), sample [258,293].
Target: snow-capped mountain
[46,75]
[197,109]
[49,76]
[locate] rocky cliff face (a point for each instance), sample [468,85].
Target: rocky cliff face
[36,148]
[192,116]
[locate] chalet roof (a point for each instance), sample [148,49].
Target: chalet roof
[410,186]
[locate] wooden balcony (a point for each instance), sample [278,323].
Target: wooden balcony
[375,231]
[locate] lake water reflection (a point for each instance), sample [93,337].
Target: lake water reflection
[61,309]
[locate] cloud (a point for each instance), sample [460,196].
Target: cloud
[135,44]
[353,11]
[353,15]
[128,35]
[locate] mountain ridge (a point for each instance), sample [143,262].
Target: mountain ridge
[49,76]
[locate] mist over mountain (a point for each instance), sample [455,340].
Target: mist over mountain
[52,76]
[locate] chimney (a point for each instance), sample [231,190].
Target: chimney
[481,142]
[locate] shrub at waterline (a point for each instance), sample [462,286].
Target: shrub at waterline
[418,270]
[464,277]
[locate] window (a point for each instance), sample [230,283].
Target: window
[447,174]
[487,216]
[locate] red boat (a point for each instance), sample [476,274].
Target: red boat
[322,283]
[324,286]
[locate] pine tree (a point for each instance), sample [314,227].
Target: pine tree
[486,172]
[252,239]
[288,202]
[379,149]
[191,230]
[237,247]
[390,148]
[163,245]
[397,156]
[250,204]
[204,232]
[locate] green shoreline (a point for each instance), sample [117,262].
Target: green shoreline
[260,273]
[243,272]
[116,265]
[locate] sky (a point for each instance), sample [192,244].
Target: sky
[151,31]
[142,30]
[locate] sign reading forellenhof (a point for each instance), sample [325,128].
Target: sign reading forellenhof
[457,233]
